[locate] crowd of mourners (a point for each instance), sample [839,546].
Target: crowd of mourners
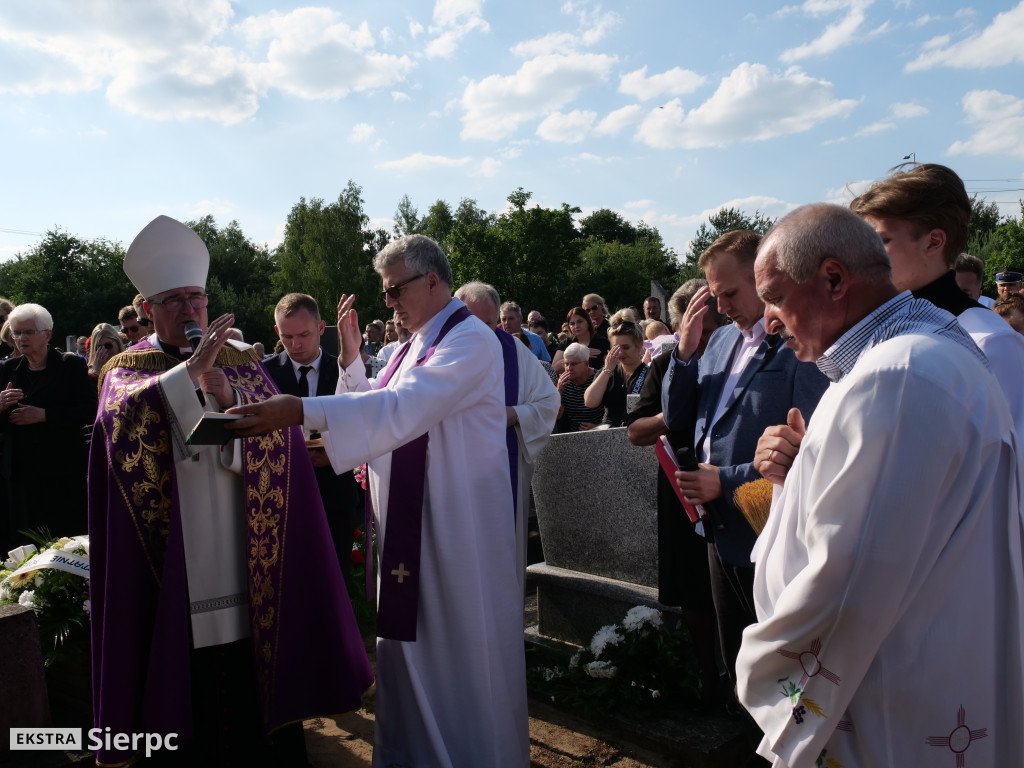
[733,368]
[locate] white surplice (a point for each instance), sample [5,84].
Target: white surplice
[536,411]
[456,697]
[889,583]
[1004,348]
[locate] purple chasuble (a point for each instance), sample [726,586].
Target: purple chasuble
[309,655]
[400,559]
[511,360]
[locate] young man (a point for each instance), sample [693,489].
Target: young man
[922,216]
[970,274]
[305,369]
[746,380]
[889,577]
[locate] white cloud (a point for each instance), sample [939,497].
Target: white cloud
[589,157]
[995,46]
[314,55]
[750,104]
[489,167]
[999,124]
[618,119]
[511,153]
[415,29]
[920,21]
[494,107]
[879,127]
[593,27]
[167,59]
[361,132]
[453,20]
[903,110]
[674,82]
[837,35]
[216,207]
[638,204]
[397,96]
[421,162]
[569,128]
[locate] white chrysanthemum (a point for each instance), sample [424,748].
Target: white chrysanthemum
[72,546]
[551,673]
[640,615]
[5,593]
[39,579]
[605,636]
[601,669]
[84,541]
[87,607]
[574,662]
[655,694]
[26,598]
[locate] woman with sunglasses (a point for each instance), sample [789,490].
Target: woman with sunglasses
[46,399]
[623,373]
[104,343]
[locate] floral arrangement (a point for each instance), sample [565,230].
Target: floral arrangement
[365,610]
[52,581]
[636,666]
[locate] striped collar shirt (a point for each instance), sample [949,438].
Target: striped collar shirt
[901,315]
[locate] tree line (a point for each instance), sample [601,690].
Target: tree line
[543,258]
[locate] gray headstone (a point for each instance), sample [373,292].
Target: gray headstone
[596,497]
[24,703]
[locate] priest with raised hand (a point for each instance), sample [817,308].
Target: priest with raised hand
[451,682]
[204,557]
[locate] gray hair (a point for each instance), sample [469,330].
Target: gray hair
[805,237]
[512,307]
[476,290]
[37,313]
[576,351]
[418,253]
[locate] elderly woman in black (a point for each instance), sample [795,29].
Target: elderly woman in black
[46,401]
[574,416]
[623,373]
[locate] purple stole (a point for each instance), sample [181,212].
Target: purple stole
[302,625]
[398,605]
[511,360]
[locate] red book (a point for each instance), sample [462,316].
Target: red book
[669,465]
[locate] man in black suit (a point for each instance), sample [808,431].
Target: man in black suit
[306,370]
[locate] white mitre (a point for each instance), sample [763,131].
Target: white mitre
[165,255]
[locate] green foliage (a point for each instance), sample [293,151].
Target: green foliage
[984,219]
[725,220]
[407,218]
[1004,249]
[438,224]
[240,279]
[80,282]
[328,250]
[623,271]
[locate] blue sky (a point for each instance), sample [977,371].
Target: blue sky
[664,110]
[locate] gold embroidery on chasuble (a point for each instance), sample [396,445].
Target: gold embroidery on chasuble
[138,434]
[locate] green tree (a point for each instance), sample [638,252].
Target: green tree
[724,220]
[438,224]
[80,282]
[240,279]
[984,218]
[622,272]
[407,218]
[328,250]
[606,226]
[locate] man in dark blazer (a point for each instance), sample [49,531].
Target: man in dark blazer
[745,381]
[306,370]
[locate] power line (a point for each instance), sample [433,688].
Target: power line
[20,232]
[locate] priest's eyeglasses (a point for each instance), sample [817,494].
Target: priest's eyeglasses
[176,303]
[395,291]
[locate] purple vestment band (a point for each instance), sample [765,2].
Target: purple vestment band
[511,360]
[400,559]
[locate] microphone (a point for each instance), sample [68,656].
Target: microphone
[193,333]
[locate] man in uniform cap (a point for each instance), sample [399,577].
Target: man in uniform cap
[202,554]
[1009,281]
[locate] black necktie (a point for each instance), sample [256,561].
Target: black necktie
[303,383]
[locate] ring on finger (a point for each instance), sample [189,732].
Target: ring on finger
[771,455]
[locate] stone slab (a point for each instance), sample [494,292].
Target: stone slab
[596,497]
[21,673]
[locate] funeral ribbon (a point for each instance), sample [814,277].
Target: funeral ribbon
[58,560]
